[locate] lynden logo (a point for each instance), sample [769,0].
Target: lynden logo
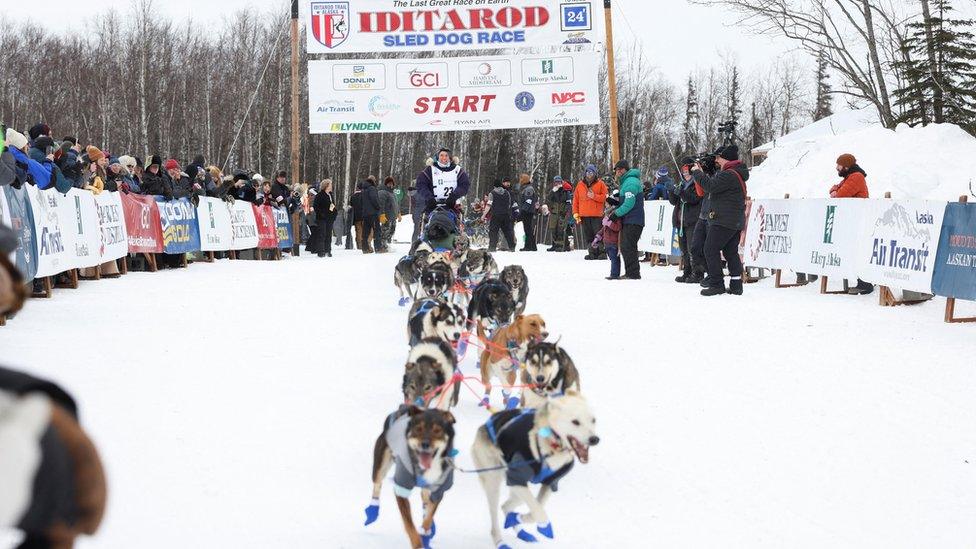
[330,23]
[828,237]
[356,127]
[909,250]
[569,99]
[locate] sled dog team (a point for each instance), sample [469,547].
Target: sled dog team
[457,295]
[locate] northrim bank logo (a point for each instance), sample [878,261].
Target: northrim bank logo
[330,23]
[828,236]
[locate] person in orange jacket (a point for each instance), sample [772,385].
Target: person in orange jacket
[589,199]
[854,184]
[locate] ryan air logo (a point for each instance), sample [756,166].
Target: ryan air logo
[330,23]
[828,237]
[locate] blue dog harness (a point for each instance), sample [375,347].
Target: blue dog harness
[510,431]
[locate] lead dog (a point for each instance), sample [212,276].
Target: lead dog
[407,273]
[531,446]
[420,443]
[518,281]
[549,370]
[437,279]
[502,357]
[435,318]
[478,265]
[430,365]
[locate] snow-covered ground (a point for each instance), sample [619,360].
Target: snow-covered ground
[236,405]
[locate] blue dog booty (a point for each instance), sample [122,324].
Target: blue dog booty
[512,403]
[545,529]
[525,536]
[403,301]
[372,512]
[511,519]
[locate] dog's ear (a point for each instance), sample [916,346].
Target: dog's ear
[413,410]
[411,366]
[449,417]
[519,318]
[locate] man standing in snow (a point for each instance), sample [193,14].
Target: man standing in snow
[854,185]
[442,182]
[389,210]
[687,201]
[528,204]
[726,217]
[500,212]
[589,199]
[371,217]
[560,202]
[631,214]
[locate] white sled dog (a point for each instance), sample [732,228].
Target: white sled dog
[531,446]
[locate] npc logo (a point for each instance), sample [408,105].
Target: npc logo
[330,23]
[525,101]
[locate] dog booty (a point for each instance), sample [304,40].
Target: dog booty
[372,512]
[512,403]
[511,519]
[503,545]
[545,529]
[403,301]
[525,536]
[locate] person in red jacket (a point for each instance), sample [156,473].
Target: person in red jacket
[854,184]
[589,198]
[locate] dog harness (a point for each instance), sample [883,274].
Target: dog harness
[414,322]
[510,432]
[407,475]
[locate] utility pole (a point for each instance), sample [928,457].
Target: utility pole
[295,98]
[295,120]
[614,130]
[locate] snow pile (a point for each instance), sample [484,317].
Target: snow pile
[931,162]
[835,124]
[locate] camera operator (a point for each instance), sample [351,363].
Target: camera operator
[687,199]
[725,212]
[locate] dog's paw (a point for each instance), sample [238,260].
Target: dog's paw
[404,301]
[372,512]
[545,529]
[512,403]
[503,545]
[485,402]
[525,536]
[512,519]
[426,537]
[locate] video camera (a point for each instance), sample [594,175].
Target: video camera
[726,130]
[707,163]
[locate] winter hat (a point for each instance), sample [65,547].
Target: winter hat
[114,160]
[258,177]
[663,172]
[730,153]
[171,164]
[15,139]
[498,183]
[198,160]
[94,154]
[43,142]
[154,160]
[524,179]
[69,139]
[622,164]
[567,186]
[846,161]
[282,173]
[687,161]
[239,176]
[590,168]
[138,161]
[389,179]
[557,179]
[38,130]
[444,150]
[128,161]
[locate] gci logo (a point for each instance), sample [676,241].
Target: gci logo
[421,79]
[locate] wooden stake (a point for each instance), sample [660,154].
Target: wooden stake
[611,72]
[950,308]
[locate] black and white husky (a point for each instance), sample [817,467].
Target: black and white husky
[406,275]
[550,372]
[437,280]
[478,265]
[430,365]
[491,306]
[435,318]
[535,446]
[518,281]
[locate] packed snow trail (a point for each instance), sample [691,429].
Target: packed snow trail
[236,404]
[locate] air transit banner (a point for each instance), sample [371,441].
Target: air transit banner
[898,243]
[372,26]
[452,94]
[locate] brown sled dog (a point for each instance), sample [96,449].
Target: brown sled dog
[514,339]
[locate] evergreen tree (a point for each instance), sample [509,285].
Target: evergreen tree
[938,68]
[692,119]
[734,93]
[824,106]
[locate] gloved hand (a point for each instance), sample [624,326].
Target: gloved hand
[613,216]
[576,216]
[382,218]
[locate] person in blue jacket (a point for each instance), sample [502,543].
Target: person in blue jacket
[662,185]
[32,170]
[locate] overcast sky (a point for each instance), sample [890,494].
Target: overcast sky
[677,37]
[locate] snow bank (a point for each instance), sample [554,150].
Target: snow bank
[933,162]
[835,124]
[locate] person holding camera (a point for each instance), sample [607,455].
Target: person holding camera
[725,212]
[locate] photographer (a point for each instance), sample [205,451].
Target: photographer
[725,212]
[686,198]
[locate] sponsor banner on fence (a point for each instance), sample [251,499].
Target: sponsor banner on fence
[243,225]
[17,214]
[214,225]
[826,240]
[264,221]
[283,224]
[449,94]
[79,217]
[898,243]
[770,234]
[370,26]
[111,221]
[178,220]
[658,232]
[53,244]
[142,223]
[955,263]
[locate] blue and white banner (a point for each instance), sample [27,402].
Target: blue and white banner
[283,223]
[955,263]
[373,26]
[16,213]
[55,251]
[79,213]
[178,220]
[216,233]
[658,234]
[898,243]
[451,94]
